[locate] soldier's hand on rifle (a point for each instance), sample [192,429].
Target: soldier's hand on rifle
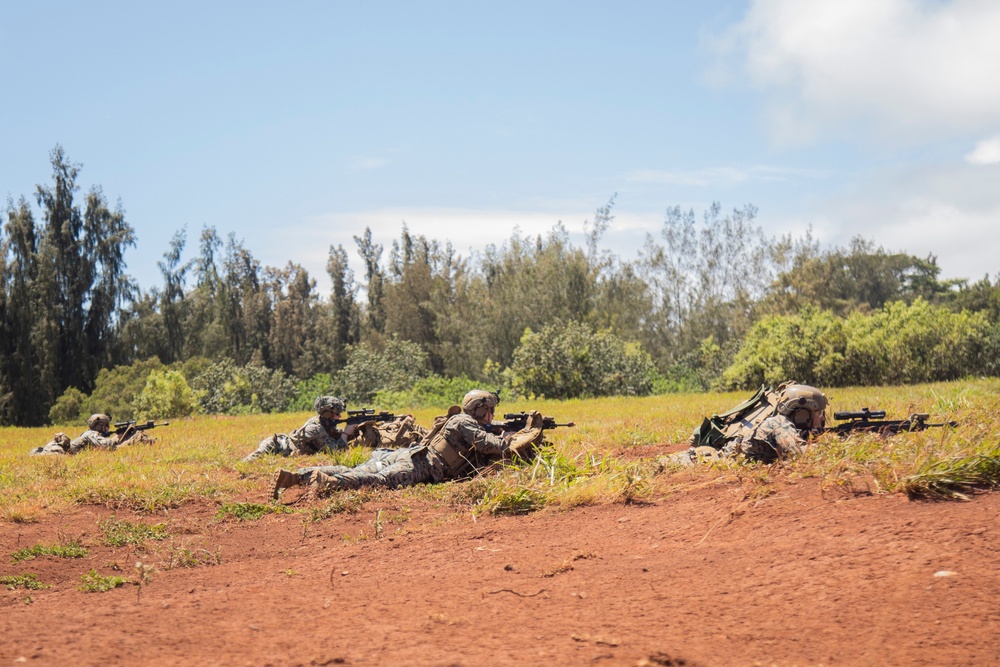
[350,430]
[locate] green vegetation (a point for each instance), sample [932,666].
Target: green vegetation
[709,302]
[26,581]
[121,533]
[248,511]
[69,550]
[92,582]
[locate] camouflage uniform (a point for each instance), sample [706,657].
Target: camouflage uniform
[315,436]
[59,444]
[776,437]
[461,446]
[87,440]
[399,432]
[772,424]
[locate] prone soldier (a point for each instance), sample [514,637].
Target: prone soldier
[459,444]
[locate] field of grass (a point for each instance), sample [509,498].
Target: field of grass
[610,456]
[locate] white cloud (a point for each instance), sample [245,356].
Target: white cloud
[468,230]
[912,68]
[948,211]
[986,151]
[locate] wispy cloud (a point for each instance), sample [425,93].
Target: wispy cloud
[908,68]
[717,176]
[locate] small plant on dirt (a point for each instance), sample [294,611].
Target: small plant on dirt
[501,500]
[182,556]
[351,503]
[378,525]
[145,573]
[92,582]
[121,533]
[249,511]
[26,581]
[70,550]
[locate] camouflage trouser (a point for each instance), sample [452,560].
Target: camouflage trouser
[279,443]
[50,448]
[693,455]
[390,468]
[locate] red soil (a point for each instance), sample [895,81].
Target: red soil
[703,577]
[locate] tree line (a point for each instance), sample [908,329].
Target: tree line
[536,314]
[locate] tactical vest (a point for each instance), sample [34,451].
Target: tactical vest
[435,441]
[740,422]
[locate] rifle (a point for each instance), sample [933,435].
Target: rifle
[121,427]
[365,415]
[873,421]
[515,421]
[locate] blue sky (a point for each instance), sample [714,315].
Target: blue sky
[294,125]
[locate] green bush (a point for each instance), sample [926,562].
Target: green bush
[166,395]
[433,391]
[900,344]
[396,368]
[225,388]
[116,389]
[306,392]
[69,408]
[808,347]
[568,361]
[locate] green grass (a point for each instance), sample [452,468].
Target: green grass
[26,581]
[121,533]
[92,582]
[248,511]
[70,550]
[609,457]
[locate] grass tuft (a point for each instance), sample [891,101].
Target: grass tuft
[249,511]
[120,533]
[26,581]
[70,550]
[92,582]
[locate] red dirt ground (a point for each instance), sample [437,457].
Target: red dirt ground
[702,577]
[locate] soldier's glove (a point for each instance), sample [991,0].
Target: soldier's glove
[523,442]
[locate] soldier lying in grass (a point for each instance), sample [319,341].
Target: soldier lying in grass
[459,444]
[98,436]
[320,433]
[771,425]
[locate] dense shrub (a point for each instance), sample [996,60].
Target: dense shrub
[433,391]
[395,368]
[899,344]
[68,408]
[306,391]
[166,394]
[571,360]
[227,388]
[117,388]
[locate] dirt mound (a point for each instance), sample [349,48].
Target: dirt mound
[704,577]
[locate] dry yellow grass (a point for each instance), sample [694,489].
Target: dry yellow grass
[200,457]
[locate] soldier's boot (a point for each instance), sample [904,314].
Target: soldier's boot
[285,479]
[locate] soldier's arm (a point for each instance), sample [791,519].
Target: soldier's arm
[481,440]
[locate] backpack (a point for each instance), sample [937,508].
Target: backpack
[739,422]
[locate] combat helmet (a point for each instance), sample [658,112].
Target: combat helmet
[478,401]
[800,402]
[99,422]
[331,403]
